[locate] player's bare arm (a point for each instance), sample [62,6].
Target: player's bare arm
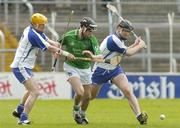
[56,50]
[94,58]
[133,49]
[136,42]
[54,43]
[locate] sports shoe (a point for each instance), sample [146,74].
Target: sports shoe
[85,121]
[83,117]
[25,122]
[77,117]
[17,112]
[142,118]
[24,119]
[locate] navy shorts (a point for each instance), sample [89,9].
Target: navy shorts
[101,75]
[22,74]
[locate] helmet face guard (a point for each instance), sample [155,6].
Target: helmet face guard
[89,23]
[126,30]
[126,25]
[91,29]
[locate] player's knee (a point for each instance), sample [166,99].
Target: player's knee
[127,93]
[87,96]
[80,93]
[35,93]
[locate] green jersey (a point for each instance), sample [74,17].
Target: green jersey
[75,45]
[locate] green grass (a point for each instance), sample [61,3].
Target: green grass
[101,114]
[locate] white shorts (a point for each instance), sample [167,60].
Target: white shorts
[22,74]
[84,74]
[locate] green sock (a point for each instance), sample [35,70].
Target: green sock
[83,113]
[76,107]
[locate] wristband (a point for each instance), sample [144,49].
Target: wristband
[64,53]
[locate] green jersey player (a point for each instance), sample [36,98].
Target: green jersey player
[80,42]
[75,44]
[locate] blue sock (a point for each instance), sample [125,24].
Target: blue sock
[20,108]
[24,116]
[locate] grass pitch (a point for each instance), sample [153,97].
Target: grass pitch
[101,114]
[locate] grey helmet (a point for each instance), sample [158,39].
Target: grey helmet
[126,25]
[88,23]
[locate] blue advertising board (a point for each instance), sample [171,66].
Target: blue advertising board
[146,86]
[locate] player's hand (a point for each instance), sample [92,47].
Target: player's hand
[56,44]
[137,41]
[88,53]
[71,57]
[55,55]
[142,44]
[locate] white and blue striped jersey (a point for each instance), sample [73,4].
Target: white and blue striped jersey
[29,45]
[110,47]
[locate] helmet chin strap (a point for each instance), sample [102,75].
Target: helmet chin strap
[36,27]
[120,36]
[82,31]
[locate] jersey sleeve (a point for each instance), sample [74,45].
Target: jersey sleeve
[45,37]
[38,40]
[115,45]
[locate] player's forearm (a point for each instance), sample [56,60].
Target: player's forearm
[133,45]
[132,50]
[54,43]
[98,58]
[53,49]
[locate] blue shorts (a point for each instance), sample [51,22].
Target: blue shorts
[101,76]
[22,74]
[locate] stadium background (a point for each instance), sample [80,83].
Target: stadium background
[153,73]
